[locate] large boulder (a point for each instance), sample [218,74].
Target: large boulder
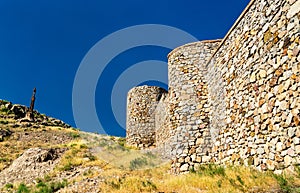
[33,163]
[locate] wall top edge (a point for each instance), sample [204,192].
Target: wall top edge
[145,87]
[193,44]
[231,29]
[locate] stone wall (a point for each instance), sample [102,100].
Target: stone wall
[237,101]
[256,103]
[188,103]
[140,123]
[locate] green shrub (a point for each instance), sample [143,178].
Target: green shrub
[92,157]
[150,155]
[40,184]
[67,167]
[138,163]
[73,144]
[122,141]
[22,189]
[55,186]
[283,183]
[211,170]
[83,146]
[4,159]
[74,135]
[47,178]
[50,187]
[86,173]
[9,186]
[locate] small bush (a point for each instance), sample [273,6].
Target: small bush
[47,178]
[50,187]
[73,145]
[192,170]
[138,163]
[122,142]
[4,159]
[9,186]
[74,135]
[211,170]
[89,172]
[22,189]
[40,184]
[67,167]
[55,186]
[150,155]
[83,146]
[92,158]
[283,183]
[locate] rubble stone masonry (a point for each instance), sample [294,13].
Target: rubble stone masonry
[230,101]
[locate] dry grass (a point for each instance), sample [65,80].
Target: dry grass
[234,179]
[126,170]
[78,155]
[25,138]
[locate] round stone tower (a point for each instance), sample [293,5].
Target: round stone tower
[140,124]
[188,104]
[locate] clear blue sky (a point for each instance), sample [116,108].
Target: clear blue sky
[43,42]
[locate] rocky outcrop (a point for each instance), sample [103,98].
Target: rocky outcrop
[18,112]
[33,163]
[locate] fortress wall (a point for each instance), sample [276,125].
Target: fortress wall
[140,125]
[254,88]
[188,104]
[235,101]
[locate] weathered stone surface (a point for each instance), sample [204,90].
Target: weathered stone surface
[33,163]
[240,100]
[142,102]
[184,167]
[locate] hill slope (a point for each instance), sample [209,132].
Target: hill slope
[48,155]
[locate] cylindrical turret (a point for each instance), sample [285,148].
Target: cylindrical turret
[141,105]
[188,103]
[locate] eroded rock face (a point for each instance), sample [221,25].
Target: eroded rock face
[33,163]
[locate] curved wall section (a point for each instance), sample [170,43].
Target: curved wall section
[140,124]
[188,103]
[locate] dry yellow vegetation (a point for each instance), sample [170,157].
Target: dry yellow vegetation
[98,163]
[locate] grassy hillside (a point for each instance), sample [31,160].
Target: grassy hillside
[88,162]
